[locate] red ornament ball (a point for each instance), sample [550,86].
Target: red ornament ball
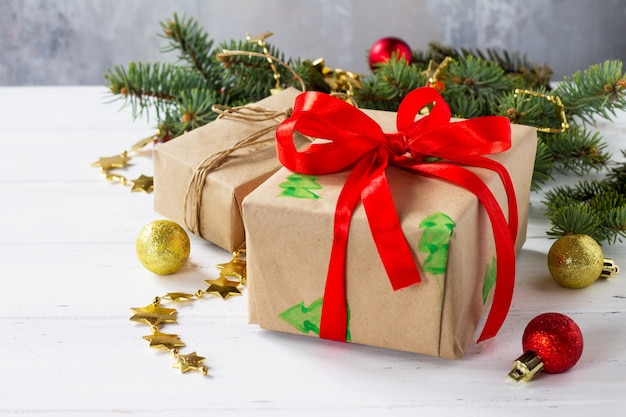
[383,48]
[557,340]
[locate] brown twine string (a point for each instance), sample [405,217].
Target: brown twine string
[249,113]
[208,164]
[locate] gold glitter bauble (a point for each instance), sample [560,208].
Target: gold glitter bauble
[575,261]
[163,247]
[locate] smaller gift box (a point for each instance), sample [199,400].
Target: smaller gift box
[328,257]
[198,182]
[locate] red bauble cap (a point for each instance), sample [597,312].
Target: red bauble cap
[557,340]
[383,48]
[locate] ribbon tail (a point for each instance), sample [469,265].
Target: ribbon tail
[505,251]
[334,319]
[497,167]
[393,249]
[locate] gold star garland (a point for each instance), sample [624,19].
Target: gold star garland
[230,282]
[260,41]
[109,163]
[433,72]
[338,80]
[559,109]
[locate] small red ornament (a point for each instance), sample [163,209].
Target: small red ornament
[383,48]
[552,342]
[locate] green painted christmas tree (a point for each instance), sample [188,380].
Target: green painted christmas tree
[435,241]
[490,279]
[300,186]
[308,319]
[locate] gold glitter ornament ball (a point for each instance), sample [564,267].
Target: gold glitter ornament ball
[163,247]
[575,261]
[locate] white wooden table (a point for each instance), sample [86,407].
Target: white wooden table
[69,275]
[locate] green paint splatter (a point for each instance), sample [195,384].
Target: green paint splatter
[300,186]
[435,241]
[307,319]
[490,279]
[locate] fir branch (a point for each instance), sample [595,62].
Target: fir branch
[389,84]
[155,86]
[473,79]
[249,77]
[616,222]
[527,110]
[196,109]
[544,165]
[476,83]
[590,207]
[599,90]
[576,219]
[194,45]
[313,78]
[616,178]
[529,74]
[577,150]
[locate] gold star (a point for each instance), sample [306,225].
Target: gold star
[164,340]
[178,296]
[190,362]
[153,315]
[234,268]
[143,183]
[429,72]
[223,287]
[110,162]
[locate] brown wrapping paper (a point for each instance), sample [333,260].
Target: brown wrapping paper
[289,243]
[226,186]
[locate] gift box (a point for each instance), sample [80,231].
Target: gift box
[207,199]
[291,232]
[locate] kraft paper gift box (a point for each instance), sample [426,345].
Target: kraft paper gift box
[218,210]
[289,226]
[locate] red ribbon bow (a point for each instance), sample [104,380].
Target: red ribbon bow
[358,143]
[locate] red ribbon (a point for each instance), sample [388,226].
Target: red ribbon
[357,142]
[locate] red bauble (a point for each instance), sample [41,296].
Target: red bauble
[383,48]
[556,339]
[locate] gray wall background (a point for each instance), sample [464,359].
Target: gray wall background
[71,42]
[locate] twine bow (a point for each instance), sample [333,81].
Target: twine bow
[253,114]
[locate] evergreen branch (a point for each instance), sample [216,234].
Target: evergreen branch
[248,77]
[476,80]
[196,109]
[389,84]
[194,44]
[577,150]
[465,108]
[151,85]
[531,74]
[576,219]
[527,110]
[616,178]
[271,59]
[475,83]
[599,90]
[616,222]
[313,78]
[590,207]
[544,164]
